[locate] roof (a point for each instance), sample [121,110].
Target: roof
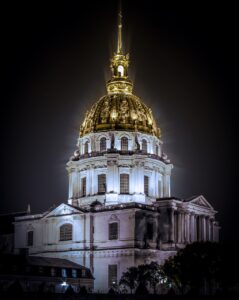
[168,198]
[121,111]
[7,261]
[191,198]
[52,262]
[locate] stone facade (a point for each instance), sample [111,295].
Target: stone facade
[145,232]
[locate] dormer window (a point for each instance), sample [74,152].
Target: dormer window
[120,70]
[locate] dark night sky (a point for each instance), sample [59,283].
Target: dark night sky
[183,64]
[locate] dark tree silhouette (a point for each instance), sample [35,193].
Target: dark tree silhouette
[141,277]
[129,278]
[201,267]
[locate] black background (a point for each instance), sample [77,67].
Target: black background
[183,64]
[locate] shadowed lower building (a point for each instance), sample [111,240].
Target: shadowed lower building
[42,274]
[120,212]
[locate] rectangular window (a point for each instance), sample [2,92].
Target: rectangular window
[124,183]
[101,184]
[63,273]
[83,273]
[146,185]
[74,273]
[113,231]
[83,186]
[112,275]
[30,238]
[124,144]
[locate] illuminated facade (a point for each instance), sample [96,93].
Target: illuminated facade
[120,211]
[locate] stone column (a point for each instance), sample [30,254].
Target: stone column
[199,231]
[140,184]
[166,185]
[188,227]
[183,227]
[93,183]
[179,227]
[171,225]
[70,190]
[88,181]
[111,180]
[204,228]
[212,229]
[207,228]
[193,228]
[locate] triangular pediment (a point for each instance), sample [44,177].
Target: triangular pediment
[63,209]
[200,201]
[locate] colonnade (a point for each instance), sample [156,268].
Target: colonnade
[188,227]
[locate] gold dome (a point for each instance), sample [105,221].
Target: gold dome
[119,109]
[119,112]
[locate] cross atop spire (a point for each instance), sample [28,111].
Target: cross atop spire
[119,42]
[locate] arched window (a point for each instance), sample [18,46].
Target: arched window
[66,232]
[146,185]
[113,231]
[30,238]
[101,184]
[124,183]
[144,146]
[120,70]
[103,144]
[86,147]
[124,144]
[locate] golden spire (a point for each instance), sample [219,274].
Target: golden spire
[119,44]
[119,83]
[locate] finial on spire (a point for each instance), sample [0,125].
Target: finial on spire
[119,44]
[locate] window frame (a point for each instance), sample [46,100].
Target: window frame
[124,186]
[83,186]
[74,273]
[103,147]
[101,190]
[124,144]
[113,236]
[146,185]
[61,237]
[144,146]
[112,275]
[64,272]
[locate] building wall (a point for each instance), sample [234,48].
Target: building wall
[137,164]
[91,247]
